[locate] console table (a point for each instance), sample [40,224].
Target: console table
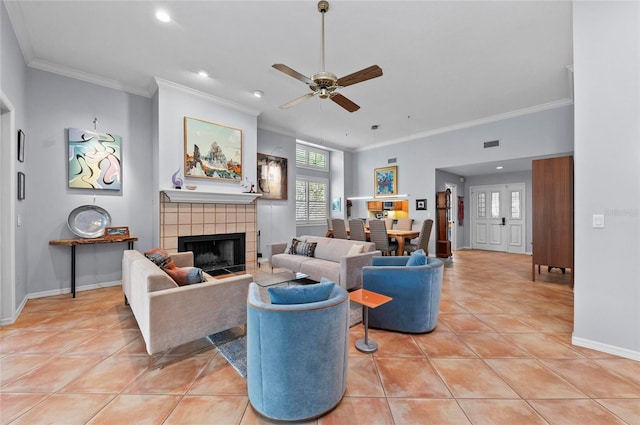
[94,241]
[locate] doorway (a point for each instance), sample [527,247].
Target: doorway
[8,152]
[498,218]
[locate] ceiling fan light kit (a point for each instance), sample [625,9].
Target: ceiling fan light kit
[324,84]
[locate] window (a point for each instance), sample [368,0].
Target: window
[495,204]
[515,204]
[482,205]
[309,157]
[311,200]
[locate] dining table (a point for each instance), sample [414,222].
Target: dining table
[399,235]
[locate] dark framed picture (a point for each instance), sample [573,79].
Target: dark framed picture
[272,176]
[421,204]
[20,145]
[21,186]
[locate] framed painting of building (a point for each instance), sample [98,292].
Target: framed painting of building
[212,150]
[385,182]
[94,160]
[272,176]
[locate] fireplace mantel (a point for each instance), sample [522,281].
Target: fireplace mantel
[208,196]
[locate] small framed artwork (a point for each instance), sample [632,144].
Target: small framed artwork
[385,181]
[21,145]
[21,186]
[116,232]
[421,204]
[336,205]
[212,151]
[272,176]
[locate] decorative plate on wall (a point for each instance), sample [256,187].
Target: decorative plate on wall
[89,221]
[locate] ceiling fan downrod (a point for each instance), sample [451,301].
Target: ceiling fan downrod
[323,7]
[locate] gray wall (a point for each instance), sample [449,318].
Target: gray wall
[547,132]
[56,103]
[276,218]
[13,87]
[607,176]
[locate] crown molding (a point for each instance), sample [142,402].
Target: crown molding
[215,99]
[494,118]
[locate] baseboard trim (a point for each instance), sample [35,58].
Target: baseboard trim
[62,291]
[606,348]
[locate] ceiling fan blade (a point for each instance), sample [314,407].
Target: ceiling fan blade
[294,102]
[373,71]
[344,102]
[292,73]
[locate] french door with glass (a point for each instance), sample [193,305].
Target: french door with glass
[498,217]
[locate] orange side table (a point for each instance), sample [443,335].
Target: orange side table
[368,299]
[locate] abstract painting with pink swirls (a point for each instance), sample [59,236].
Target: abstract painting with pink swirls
[94,160]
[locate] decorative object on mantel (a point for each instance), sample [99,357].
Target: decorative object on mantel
[21,140]
[385,182]
[89,221]
[94,160]
[177,181]
[248,186]
[272,176]
[191,186]
[212,150]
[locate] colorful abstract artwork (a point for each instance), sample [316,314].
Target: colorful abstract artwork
[385,181]
[94,160]
[212,150]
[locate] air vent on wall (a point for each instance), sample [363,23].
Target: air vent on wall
[392,160]
[492,144]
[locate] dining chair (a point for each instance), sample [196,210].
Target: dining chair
[388,223]
[423,239]
[378,235]
[404,224]
[339,228]
[356,230]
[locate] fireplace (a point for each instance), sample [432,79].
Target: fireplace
[216,254]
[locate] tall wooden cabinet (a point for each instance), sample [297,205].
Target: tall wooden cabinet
[552,186]
[443,244]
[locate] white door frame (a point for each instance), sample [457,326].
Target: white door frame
[8,152]
[505,233]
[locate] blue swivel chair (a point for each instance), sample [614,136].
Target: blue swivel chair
[415,291]
[297,355]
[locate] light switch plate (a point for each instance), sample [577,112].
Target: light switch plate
[598,221]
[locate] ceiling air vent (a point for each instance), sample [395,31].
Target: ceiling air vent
[392,160]
[492,144]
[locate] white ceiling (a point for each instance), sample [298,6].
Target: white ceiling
[445,63]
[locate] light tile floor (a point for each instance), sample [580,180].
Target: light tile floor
[501,354]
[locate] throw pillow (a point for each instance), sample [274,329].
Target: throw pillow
[305,248]
[186,275]
[159,257]
[301,294]
[355,249]
[291,246]
[418,258]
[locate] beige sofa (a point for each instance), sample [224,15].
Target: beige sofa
[170,315]
[330,260]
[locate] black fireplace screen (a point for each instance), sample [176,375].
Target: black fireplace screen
[216,254]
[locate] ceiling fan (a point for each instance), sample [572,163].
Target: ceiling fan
[324,84]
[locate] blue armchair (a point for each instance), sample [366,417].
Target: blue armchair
[415,291]
[297,355]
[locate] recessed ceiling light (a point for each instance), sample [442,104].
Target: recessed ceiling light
[203,73]
[163,16]
[499,167]
[258,93]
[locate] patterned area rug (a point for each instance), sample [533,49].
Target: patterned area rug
[232,343]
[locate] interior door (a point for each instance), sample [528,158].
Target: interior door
[497,214]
